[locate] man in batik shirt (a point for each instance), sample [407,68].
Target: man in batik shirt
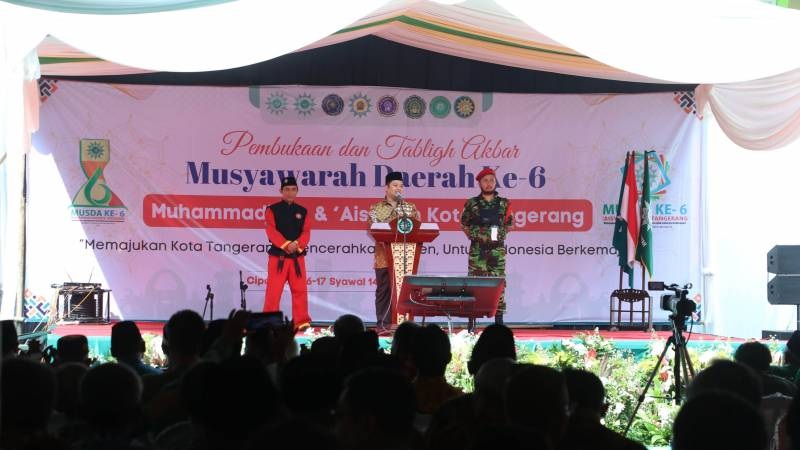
[391,207]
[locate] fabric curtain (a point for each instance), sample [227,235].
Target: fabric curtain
[690,41]
[757,115]
[114,6]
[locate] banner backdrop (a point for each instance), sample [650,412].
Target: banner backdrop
[159,191]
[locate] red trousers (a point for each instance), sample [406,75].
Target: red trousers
[297,285]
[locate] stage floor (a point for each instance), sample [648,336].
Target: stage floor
[638,342]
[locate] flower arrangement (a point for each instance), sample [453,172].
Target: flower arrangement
[623,376]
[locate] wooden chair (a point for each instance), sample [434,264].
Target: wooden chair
[630,302]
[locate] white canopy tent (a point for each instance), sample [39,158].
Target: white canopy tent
[725,44]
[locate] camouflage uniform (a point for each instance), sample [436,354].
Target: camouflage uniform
[487,257]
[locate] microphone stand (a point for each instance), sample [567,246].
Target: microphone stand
[242,288]
[209,298]
[401,203]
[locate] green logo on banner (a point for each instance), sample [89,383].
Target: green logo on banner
[95,201]
[440,107]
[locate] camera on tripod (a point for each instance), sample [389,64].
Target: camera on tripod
[677,303]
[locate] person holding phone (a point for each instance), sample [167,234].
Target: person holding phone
[486,220]
[289,231]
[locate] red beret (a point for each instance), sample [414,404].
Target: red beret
[483,173]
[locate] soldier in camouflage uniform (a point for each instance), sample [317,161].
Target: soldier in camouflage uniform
[486,220]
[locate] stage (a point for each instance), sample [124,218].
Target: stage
[531,337]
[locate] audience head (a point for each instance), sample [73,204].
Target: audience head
[241,398]
[69,377]
[9,338]
[431,351]
[327,346]
[496,341]
[717,419]
[27,395]
[403,339]
[183,335]
[728,376]
[196,388]
[490,385]
[348,325]
[376,409]
[586,392]
[360,351]
[310,386]
[72,348]
[403,347]
[792,423]
[536,397]
[493,376]
[126,340]
[111,396]
[293,433]
[792,352]
[508,437]
[261,344]
[211,334]
[754,355]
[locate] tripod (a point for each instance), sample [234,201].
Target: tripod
[682,371]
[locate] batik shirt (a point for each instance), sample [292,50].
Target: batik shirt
[383,211]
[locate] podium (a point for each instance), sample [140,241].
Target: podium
[468,296]
[403,238]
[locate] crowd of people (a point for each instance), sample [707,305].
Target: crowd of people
[232,384]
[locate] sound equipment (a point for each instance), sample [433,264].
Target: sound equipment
[461,296]
[784,260]
[83,302]
[784,287]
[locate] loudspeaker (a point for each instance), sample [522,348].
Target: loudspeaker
[784,260]
[784,290]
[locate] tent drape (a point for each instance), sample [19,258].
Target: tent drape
[757,115]
[115,6]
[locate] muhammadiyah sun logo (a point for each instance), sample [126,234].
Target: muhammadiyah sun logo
[95,201]
[659,169]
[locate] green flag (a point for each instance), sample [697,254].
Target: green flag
[644,249]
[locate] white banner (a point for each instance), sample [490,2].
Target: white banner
[158,191]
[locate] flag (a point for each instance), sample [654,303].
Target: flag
[644,250]
[626,227]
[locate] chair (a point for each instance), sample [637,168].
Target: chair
[631,298]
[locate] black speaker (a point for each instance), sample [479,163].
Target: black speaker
[784,290]
[784,260]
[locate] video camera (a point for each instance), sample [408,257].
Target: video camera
[676,303]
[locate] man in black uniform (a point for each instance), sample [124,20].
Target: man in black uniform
[289,231]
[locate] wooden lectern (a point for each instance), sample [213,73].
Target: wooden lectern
[403,238]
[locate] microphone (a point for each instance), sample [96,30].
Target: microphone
[399,197]
[209,295]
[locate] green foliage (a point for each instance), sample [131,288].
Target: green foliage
[153,354]
[623,376]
